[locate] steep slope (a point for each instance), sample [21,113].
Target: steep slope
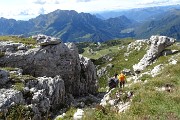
[167,24]
[69,26]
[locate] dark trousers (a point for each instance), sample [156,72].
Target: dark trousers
[122,84]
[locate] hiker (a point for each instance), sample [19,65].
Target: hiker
[113,82]
[122,79]
[116,79]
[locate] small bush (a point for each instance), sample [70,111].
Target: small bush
[19,86]
[19,112]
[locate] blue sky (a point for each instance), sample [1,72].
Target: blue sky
[26,9]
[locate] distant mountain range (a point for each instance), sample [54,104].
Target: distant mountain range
[138,14]
[71,26]
[167,24]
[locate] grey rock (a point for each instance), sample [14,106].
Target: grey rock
[127,71]
[78,114]
[22,47]
[16,71]
[45,40]
[156,70]
[88,78]
[158,44]
[54,89]
[9,97]
[101,71]
[4,77]
[78,73]
[169,52]
[26,90]
[172,61]
[9,46]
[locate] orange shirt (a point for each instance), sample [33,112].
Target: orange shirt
[121,77]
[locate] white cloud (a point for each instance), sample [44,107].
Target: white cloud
[41,2]
[32,8]
[153,2]
[84,0]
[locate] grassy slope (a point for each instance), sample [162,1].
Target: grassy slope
[16,40]
[148,103]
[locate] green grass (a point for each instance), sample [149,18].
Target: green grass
[26,41]
[18,112]
[20,80]
[69,114]
[100,53]
[19,86]
[105,48]
[8,68]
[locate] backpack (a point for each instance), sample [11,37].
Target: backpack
[111,83]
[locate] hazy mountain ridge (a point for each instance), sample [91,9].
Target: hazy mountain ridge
[168,24]
[138,14]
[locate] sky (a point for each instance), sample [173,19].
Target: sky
[26,9]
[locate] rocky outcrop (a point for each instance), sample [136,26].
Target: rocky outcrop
[44,40]
[9,97]
[51,60]
[136,45]
[4,77]
[57,69]
[120,103]
[156,70]
[158,44]
[9,46]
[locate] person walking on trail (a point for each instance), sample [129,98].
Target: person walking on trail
[122,79]
[116,79]
[113,82]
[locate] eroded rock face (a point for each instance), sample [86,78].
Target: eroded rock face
[88,79]
[158,44]
[50,60]
[47,93]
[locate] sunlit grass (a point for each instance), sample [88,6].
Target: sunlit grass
[18,40]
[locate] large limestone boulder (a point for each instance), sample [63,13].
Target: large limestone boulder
[158,44]
[78,73]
